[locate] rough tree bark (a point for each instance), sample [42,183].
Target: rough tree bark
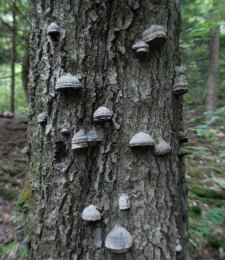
[95,42]
[213,68]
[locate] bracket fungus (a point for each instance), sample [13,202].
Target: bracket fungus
[178,248]
[162,148]
[119,240]
[79,140]
[93,136]
[183,137]
[102,114]
[91,214]
[65,131]
[25,150]
[124,202]
[141,139]
[53,30]
[68,82]
[180,86]
[141,47]
[182,151]
[42,118]
[155,35]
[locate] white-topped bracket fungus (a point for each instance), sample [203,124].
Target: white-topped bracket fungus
[119,240]
[65,131]
[182,151]
[162,147]
[68,82]
[141,139]
[124,202]
[79,140]
[41,118]
[94,136]
[183,137]
[180,86]
[91,214]
[178,248]
[25,150]
[155,35]
[102,114]
[141,47]
[53,30]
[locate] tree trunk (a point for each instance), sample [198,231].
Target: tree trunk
[211,83]
[25,72]
[95,42]
[13,58]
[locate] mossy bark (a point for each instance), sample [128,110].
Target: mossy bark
[95,42]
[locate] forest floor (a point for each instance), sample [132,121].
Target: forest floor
[205,174]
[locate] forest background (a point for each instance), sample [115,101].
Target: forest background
[202,46]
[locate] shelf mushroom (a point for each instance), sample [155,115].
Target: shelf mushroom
[182,151]
[79,140]
[162,148]
[183,137]
[141,47]
[141,139]
[155,35]
[102,114]
[65,131]
[178,248]
[119,240]
[68,82]
[93,136]
[53,30]
[91,214]
[180,86]
[42,118]
[124,202]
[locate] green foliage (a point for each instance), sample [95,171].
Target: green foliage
[7,194]
[23,252]
[194,211]
[205,129]
[198,17]
[22,26]
[207,193]
[202,229]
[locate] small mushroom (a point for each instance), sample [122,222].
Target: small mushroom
[25,150]
[141,47]
[178,248]
[119,240]
[53,30]
[65,131]
[182,151]
[102,114]
[91,214]
[183,137]
[141,139]
[42,118]
[162,148]
[124,202]
[180,86]
[68,82]
[79,140]
[93,136]
[155,35]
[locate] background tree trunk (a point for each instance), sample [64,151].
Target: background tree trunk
[25,72]
[213,68]
[13,58]
[95,42]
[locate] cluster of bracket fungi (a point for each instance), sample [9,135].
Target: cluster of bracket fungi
[119,239]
